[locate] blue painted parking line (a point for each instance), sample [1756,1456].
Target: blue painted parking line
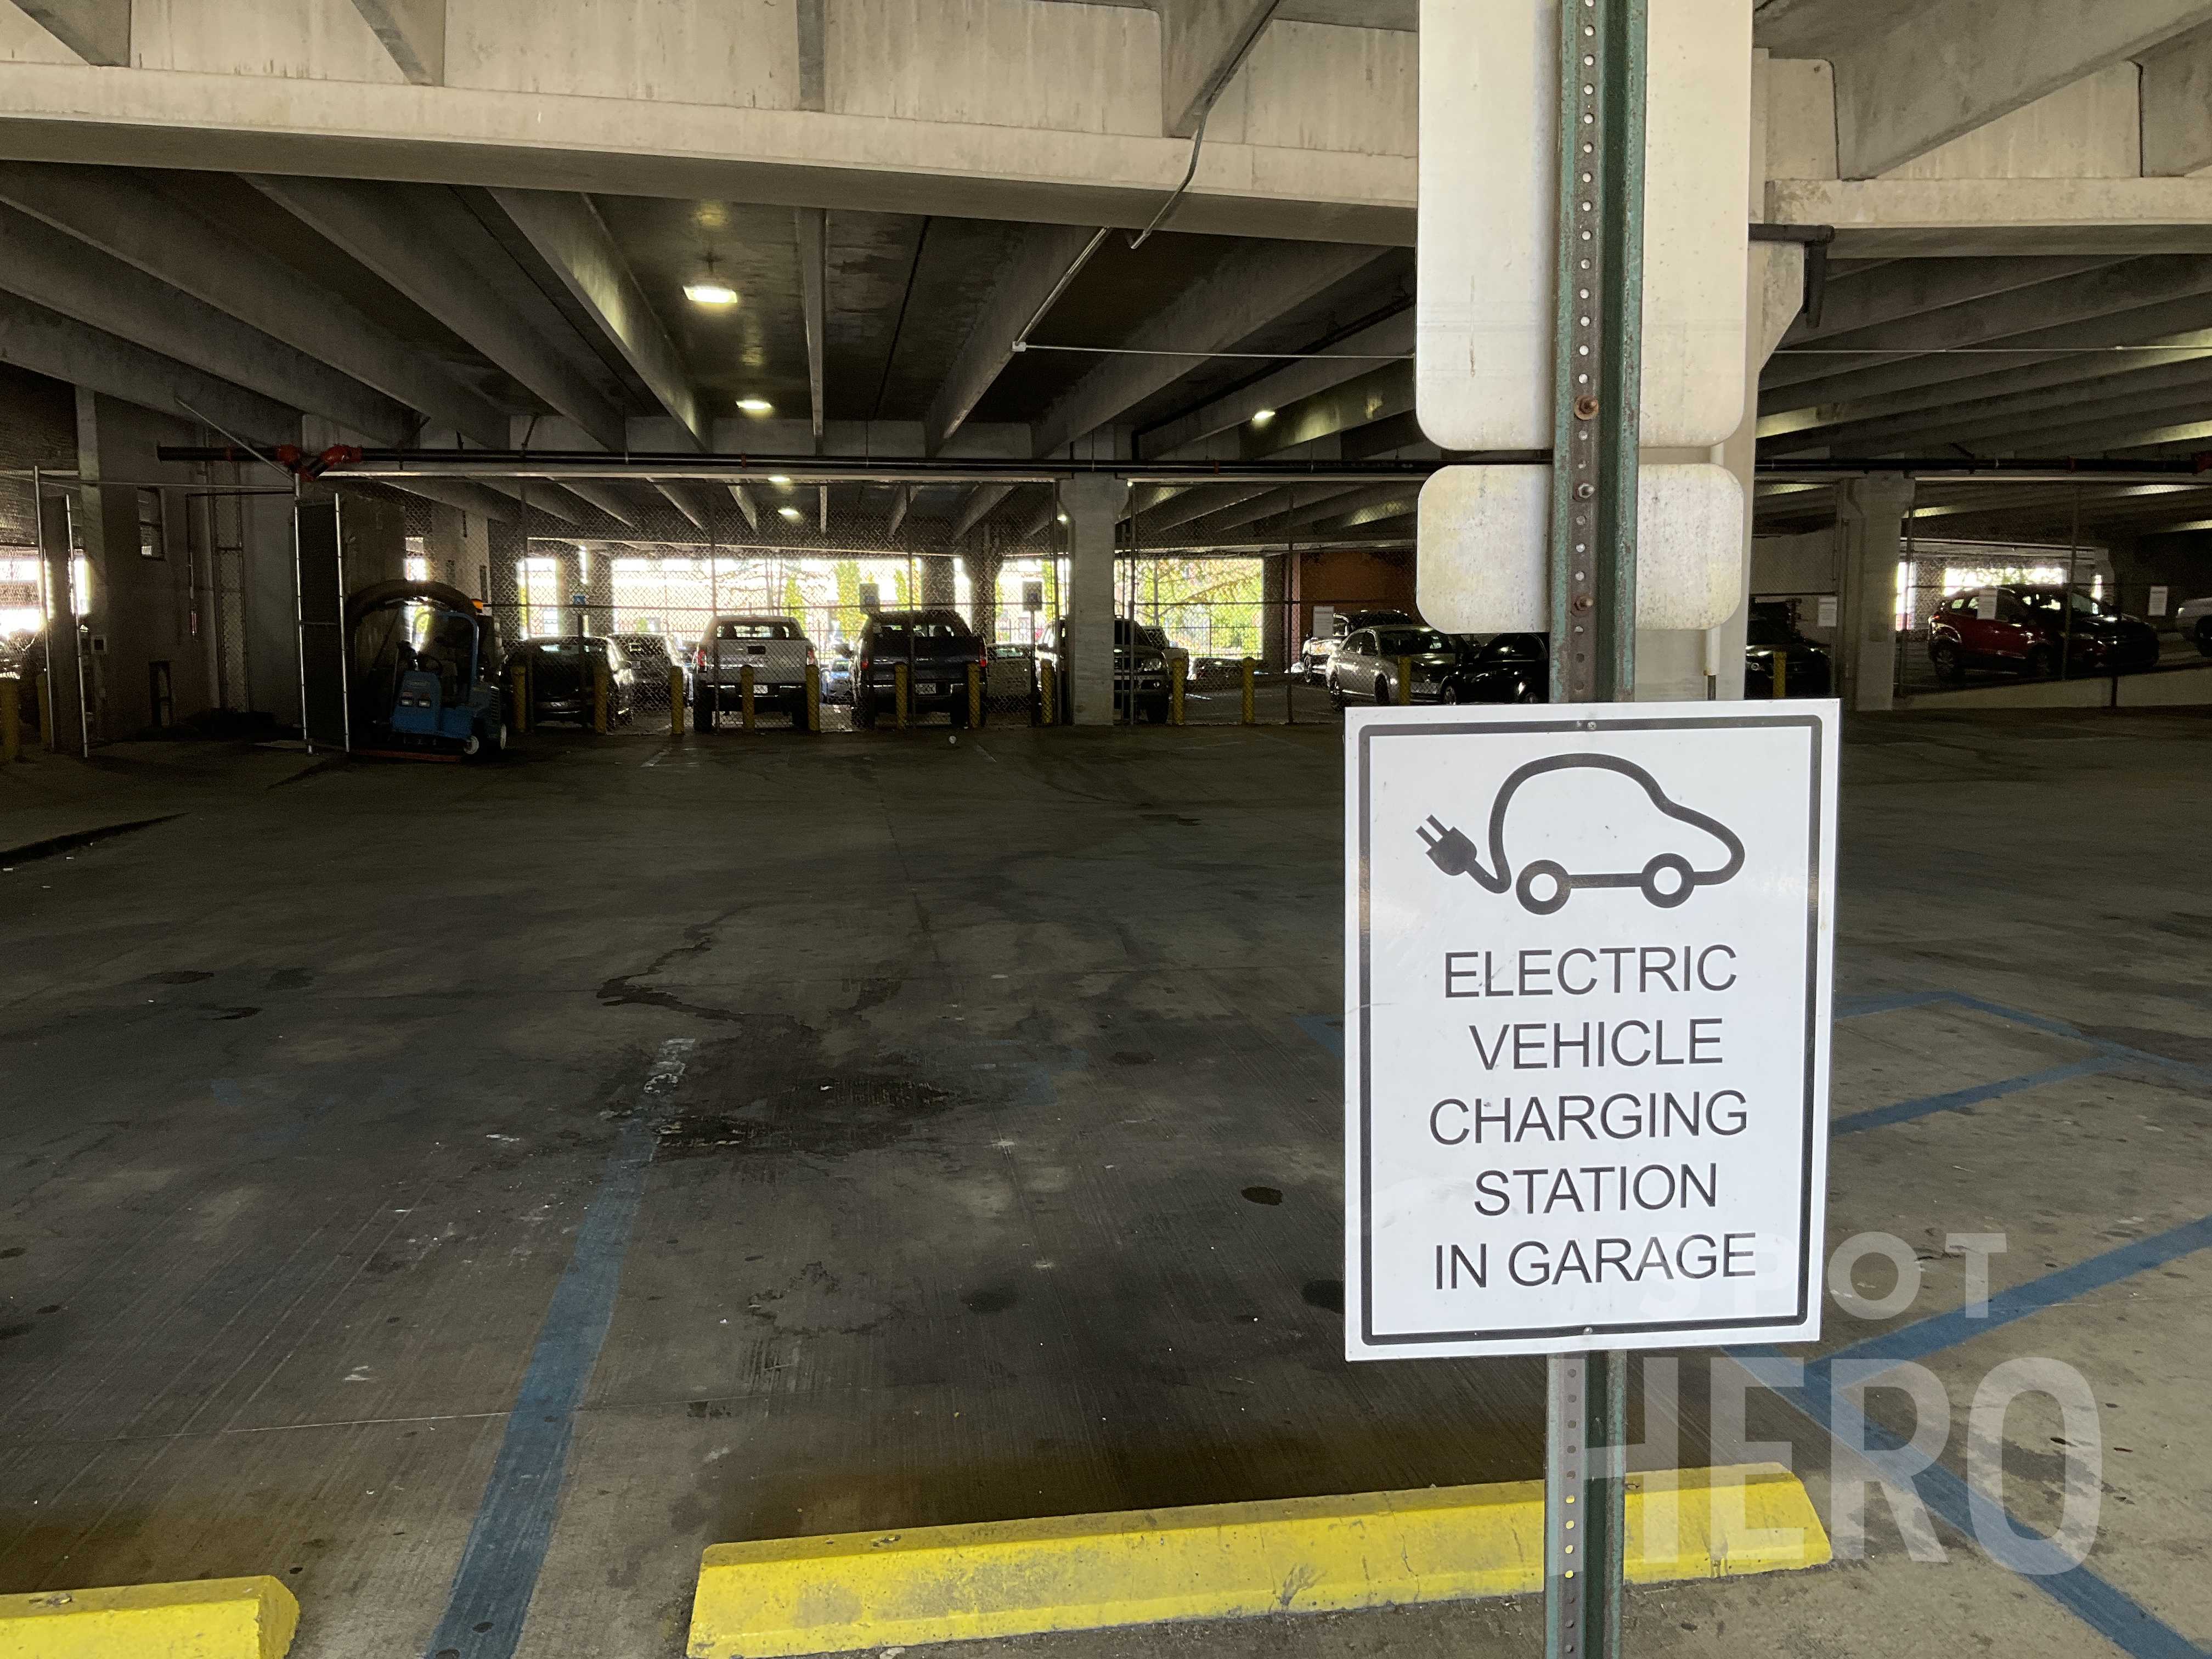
[505,1550]
[1886,1003]
[2096,1601]
[1904,1111]
[1326,1029]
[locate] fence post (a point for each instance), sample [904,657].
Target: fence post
[519,690]
[11,720]
[745,694]
[1175,694]
[1251,705]
[1405,682]
[675,700]
[975,693]
[1048,695]
[600,697]
[42,693]
[813,710]
[1781,673]
[901,705]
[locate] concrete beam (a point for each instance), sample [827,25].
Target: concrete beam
[1188,506]
[374,223]
[2105,291]
[1047,254]
[606,497]
[2177,107]
[1961,218]
[1380,393]
[485,502]
[1969,420]
[50,269]
[62,348]
[570,236]
[813,242]
[676,501]
[129,218]
[720,150]
[413,32]
[1949,66]
[2181,421]
[1248,290]
[746,504]
[538,495]
[901,501]
[982,501]
[98,31]
[1180,438]
[1899,288]
[1201,43]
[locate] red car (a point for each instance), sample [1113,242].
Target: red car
[2027,629]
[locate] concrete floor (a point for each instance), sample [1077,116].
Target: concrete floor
[1001,1176]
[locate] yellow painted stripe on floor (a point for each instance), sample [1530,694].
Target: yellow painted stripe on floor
[209,1619]
[832,1594]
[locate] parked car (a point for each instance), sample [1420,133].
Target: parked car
[652,655]
[2193,620]
[1313,655]
[1010,672]
[837,674]
[1807,671]
[1141,669]
[937,644]
[561,673]
[1367,666]
[776,650]
[2035,631]
[1504,668]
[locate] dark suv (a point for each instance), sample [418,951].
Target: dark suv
[936,646]
[1141,668]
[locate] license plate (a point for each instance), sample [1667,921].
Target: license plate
[930,687]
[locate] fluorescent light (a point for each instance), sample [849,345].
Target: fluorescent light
[756,405]
[710,290]
[779,479]
[1063,517]
[788,511]
[1261,417]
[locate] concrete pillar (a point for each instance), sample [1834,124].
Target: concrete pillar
[568,583]
[1093,504]
[940,585]
[1278,624]
[63,686]
[598,569]
[1869,542]
[983,568]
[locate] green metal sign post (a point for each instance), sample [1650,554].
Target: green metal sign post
[1596,379]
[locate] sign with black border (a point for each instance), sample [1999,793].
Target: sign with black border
[1588,991]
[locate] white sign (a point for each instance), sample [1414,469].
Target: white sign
[1489,141]
[2158,597]
[1826,611]
[1485,565]
[1985,605]
[1587,978]
[1324,621]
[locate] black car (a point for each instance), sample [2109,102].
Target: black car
[652,658]
[1141,670]
[1504,668]
[561,670]
[1772,635]
[936,645]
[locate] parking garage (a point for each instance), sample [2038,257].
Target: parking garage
[604,960]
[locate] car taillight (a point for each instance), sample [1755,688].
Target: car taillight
[699,658]
[810,659]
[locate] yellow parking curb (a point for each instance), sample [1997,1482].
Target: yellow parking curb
[209,1619]
[832,1595]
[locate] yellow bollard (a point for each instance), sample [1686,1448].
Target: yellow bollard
[601,693]
[1251,699]
[901,706]
[1405,681]
[975,693]
[518,689]
[11,720]
[1175,694]
[745,694]
[1048,695]
[813,696]
[1782,673]
[675,700]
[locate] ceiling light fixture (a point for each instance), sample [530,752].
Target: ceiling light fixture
[1063,517]
[756,405]
[788,511]
[1261,417]
[707,288]
[779,479]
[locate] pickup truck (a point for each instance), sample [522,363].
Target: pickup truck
[936,645]
[774,647]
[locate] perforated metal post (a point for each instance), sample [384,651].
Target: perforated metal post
[1597,386]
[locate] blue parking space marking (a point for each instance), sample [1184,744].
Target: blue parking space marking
[1887,1003]
[1904,1111]
[2096,1601]
[1326,1029]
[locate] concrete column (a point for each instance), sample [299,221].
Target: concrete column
[1276,625]
[599,588]
[1870,541]
[983,568]
[63,685]
[1092,504]
[939,586]
[568,580]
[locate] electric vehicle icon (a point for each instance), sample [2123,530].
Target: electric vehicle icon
[1667,876]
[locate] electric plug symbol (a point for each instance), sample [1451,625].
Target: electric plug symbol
[1450,850]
